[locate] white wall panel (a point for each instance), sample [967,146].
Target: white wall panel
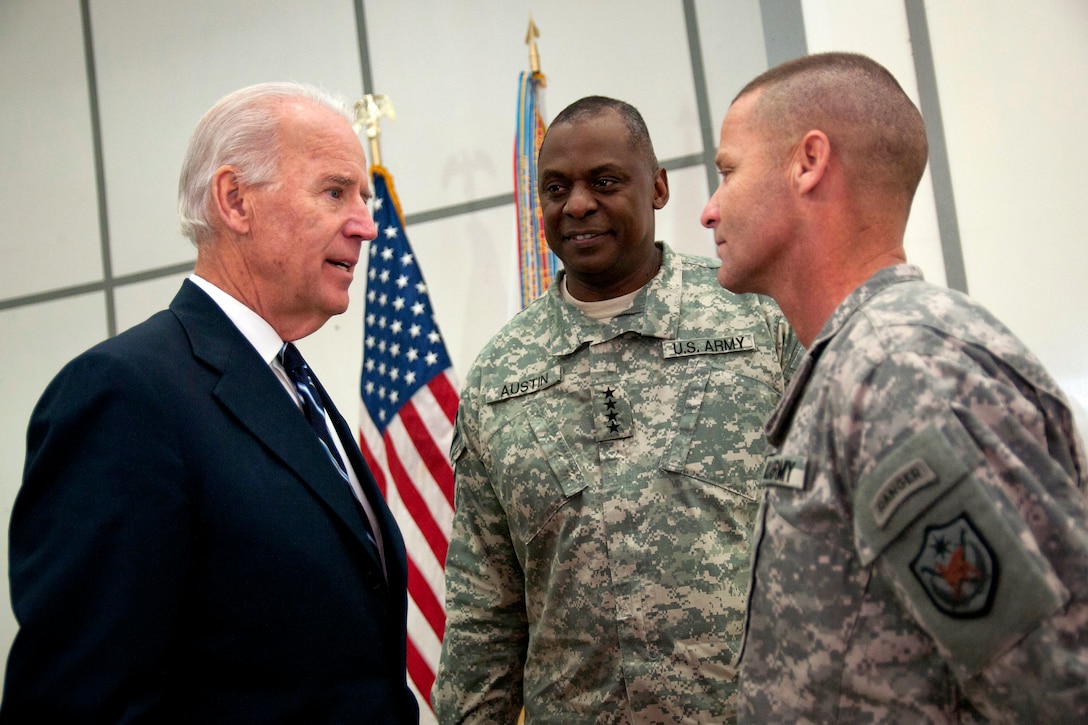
[879,30]
[452,74]
[161,64]
[134,303]
[1013,78]
[678,223]
[731,36]
[49,236]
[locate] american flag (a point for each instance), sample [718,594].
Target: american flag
[409,401]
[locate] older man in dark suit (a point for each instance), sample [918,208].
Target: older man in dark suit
[197,538]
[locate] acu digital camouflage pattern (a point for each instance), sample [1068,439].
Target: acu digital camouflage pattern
[922,552]
[607,484]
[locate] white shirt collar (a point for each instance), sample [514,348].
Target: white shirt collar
[252,326]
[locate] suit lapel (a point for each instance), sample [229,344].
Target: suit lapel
[251,392]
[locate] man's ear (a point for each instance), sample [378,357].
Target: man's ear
[810,161]
[230,201]
[661,189]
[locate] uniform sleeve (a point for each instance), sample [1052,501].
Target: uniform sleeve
[483,650]
[966,499]
[99,547]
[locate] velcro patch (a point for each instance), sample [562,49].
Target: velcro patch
[957,549]
[612,415]
[787,471]
[907,482]
[957,568]
[708,346]
[515,387]
[914,475]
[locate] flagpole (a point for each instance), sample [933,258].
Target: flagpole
[534,54]
[409,398]
[368,113]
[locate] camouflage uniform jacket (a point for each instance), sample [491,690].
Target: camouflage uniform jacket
[922,553]
[606,489]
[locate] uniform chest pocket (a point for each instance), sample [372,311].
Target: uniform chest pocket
[719,436]
[536,471]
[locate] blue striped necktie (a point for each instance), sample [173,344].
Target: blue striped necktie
[300,375]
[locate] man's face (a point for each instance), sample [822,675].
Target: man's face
[310,223]
[598,196]
[750,211]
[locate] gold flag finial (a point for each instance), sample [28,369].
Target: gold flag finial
[368,112]
[534,55]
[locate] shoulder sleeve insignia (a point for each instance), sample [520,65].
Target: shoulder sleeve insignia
[965,564]
[908,479]
[957,568]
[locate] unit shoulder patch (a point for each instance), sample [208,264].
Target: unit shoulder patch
[957,568]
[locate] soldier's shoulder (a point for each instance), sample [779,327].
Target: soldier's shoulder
[523,337]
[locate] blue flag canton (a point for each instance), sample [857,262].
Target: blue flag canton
[402,348]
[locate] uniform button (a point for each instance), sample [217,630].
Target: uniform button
[373,580]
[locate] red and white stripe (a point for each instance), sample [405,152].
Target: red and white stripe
[412,468]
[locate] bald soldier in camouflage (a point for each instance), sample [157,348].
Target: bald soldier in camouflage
[607,453]
[922,551]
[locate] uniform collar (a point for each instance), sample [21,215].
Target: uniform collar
[877,283]
[779,423]
[655,311]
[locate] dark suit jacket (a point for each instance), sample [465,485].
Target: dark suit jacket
[183,550]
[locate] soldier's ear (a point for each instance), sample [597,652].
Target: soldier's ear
[810,161]
[661,188]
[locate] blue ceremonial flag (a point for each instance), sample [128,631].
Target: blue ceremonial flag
[409,402]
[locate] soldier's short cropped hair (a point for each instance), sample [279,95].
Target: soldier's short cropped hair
[593,106]
[871,122]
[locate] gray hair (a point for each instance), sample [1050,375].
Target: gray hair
[240,130]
